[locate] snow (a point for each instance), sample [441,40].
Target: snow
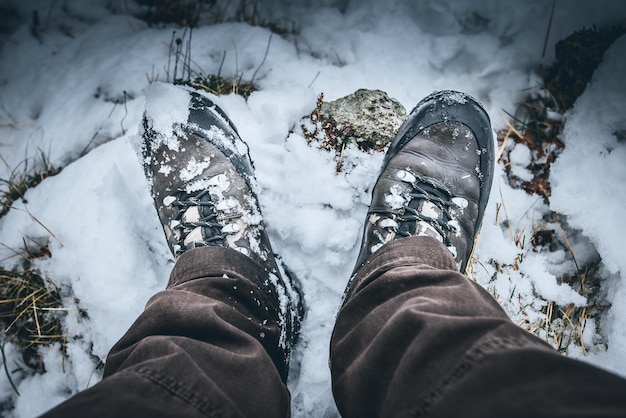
[166,106]
[79,100]
[520,159]
[592,130]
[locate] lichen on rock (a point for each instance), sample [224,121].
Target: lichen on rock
[372,116]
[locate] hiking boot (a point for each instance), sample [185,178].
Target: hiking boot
[203,187]
[435,179]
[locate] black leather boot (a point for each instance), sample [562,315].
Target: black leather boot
[435,179]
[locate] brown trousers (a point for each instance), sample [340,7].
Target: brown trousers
[414,338]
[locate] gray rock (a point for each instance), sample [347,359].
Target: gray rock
[372,116]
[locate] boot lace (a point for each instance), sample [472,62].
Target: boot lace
[213,233]
[436,198]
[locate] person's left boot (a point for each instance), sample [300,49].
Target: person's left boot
[203,187]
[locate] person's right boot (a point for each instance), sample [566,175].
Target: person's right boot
[436,178]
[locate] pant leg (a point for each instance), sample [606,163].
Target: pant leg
[205,346]
[416,338]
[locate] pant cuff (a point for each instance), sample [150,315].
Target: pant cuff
[420,252]
[203,262]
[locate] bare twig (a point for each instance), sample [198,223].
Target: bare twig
[314,78]
[6,369]
[567,243]
[125,114]
[545,41]
[219,70]
[169,55]
[267,50]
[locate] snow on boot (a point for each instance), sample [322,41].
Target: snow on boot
[436,178]
[203,187]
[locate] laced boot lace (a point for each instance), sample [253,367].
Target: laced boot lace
[428,209]
[197,222]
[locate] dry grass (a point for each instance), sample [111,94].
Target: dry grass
[537,126]
[183,71]
[28,174]
[25,306]
[188,14]
[31,311]
[31,305]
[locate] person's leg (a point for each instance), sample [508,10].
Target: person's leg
[216,341]
[417,338]
[205,346]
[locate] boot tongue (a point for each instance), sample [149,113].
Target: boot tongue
[422,228]
[428,212]
[412,206]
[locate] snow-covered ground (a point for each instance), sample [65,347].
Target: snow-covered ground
[76,92]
